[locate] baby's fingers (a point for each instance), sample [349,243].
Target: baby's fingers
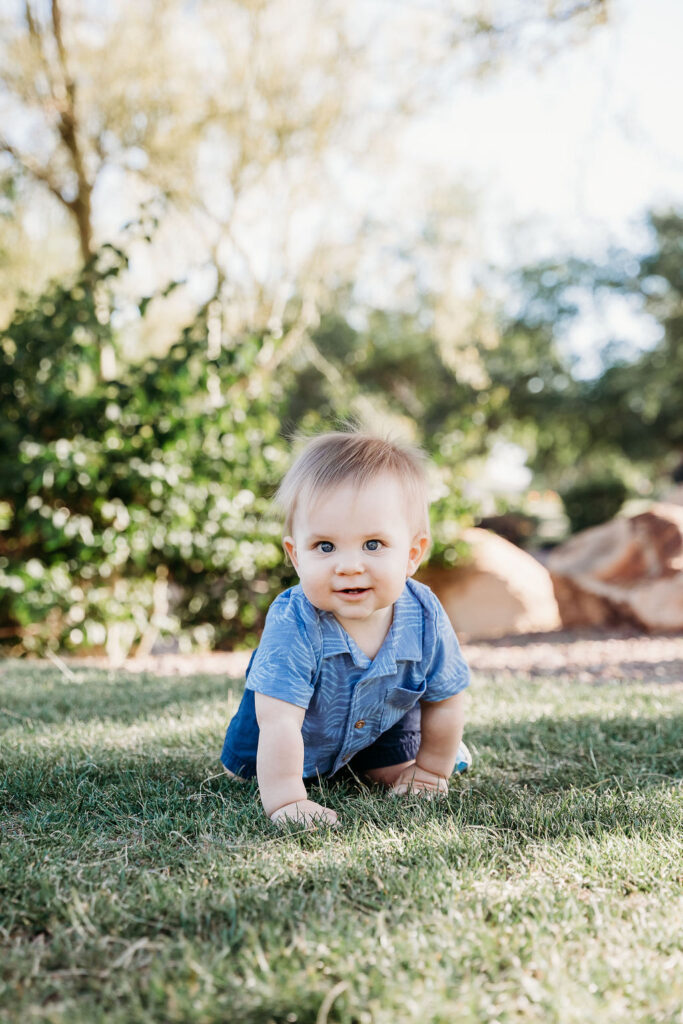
[424,794]
[323,817]
[426,791]
[306,813]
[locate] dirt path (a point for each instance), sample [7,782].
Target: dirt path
[583,655]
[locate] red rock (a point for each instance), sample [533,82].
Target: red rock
[629,570]
[502,590]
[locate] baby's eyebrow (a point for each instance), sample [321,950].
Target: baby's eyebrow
[318,538]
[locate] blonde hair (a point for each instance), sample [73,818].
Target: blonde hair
[341,456]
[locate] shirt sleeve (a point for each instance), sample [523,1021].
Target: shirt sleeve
[284,664]
[447,672]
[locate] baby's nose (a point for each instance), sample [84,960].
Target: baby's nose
[349,562]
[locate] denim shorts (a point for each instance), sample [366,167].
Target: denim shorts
[398,744]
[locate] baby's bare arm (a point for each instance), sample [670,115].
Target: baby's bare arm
[442,724]
[280,763]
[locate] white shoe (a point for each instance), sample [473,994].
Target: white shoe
[463,761]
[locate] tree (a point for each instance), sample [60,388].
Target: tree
[228,123]
[640,399]
[631,412]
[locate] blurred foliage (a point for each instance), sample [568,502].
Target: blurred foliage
[143,500]
[639,402]
[629,416]
[138,508]
[594,501]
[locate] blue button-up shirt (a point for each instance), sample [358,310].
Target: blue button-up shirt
[307,658]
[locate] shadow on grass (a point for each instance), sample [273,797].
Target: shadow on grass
[548,757]
[138,831]
[557,753]
[145,842]
[260,878]
[550,776]
[549,752]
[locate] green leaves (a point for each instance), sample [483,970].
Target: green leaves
[142,503]
[143,499]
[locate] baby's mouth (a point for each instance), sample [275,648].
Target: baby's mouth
[353,590]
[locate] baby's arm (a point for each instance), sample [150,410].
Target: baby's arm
[442,724]
[280,763]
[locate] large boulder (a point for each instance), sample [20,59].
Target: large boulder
[629,570]
[500,591]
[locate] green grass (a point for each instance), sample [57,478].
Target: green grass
[139,884]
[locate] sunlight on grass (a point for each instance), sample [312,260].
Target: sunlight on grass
[139,884]
[195,728]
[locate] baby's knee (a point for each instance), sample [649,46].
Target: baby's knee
[387,776]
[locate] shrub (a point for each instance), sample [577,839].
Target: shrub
[142,501]
[593,501]
[139,508]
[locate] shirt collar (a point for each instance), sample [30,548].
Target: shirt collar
[403,641]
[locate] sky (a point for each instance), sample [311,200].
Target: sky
[569,158]
[573,155]
[563,159]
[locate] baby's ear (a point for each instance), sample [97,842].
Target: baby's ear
[418,549]
[290,549]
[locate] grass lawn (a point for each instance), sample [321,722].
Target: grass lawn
[139,884]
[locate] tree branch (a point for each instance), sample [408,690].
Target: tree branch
[81,205]
[34,169]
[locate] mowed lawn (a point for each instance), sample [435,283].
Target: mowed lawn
[139,884]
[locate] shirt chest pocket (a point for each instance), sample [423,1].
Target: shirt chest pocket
[401,699]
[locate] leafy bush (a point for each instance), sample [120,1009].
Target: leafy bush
[139,506]
[594,501]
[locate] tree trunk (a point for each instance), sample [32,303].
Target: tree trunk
[81,206]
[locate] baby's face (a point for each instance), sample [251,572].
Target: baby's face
[353,548]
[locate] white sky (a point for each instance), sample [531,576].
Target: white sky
[569,159]
[579,150]
[566,159]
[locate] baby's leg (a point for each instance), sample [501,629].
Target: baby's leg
[386,776]
[391,753]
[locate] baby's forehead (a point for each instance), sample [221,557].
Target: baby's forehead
[386,491]
[350,490]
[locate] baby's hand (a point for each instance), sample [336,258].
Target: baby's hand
[419,780]
[305,812]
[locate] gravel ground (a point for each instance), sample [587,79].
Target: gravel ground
[584,656]
[576,655]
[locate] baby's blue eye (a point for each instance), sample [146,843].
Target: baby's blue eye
[373,545]
[326,546]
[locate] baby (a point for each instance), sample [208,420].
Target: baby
[358,665]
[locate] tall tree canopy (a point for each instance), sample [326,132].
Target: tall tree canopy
[237,121]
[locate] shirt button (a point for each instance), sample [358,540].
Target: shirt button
[345,758]
[359,724]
